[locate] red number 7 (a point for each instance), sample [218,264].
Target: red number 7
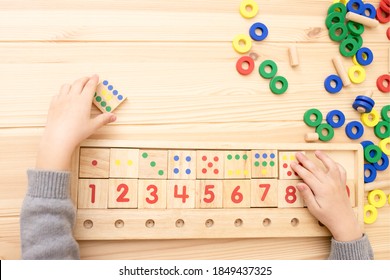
[266,187]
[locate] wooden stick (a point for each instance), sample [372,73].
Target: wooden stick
[311,137]
[366,21]
[293,54]
[338,64]
[376,185]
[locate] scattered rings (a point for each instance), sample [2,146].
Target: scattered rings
[242,43]
[359,130]
[380,83]
[383,144]
[378,130]
[340,118]
[367,7]
[368,167]
[245,60]
[373,214]
[325,136]
[382,163]
[370,119]
[349,47]
[336,80]
[335,17]
[248,8]
[372,153]
[355,6]
[382,199]
[382,15]
[357,74]
[272,65]
[338,36]
[364,56]
[385,113]
[307,117]
[355,28]
[278,80]
[262,28]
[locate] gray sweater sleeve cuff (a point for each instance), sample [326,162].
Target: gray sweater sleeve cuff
[354,250]
[39,180]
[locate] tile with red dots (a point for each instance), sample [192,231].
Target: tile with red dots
[124,163]
[107,98]
[264,163]
[153,164]
[209,164]
[285,171]
[237,164]
[181,164]
[94,163]
[288,194]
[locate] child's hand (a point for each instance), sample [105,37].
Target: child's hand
[68,123]
[326,197]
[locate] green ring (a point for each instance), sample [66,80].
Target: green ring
[355,28]
[272,65]
[347,51]
[358,39]
[317,113]
[335,6]
[367,153]
[333,32]
[379,133]
[384,113]
[274,81]
[321,128]
[333,18]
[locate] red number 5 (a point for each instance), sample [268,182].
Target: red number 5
[208,191]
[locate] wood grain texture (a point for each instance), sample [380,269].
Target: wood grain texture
[175,61]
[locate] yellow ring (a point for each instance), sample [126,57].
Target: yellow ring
[361,74]
[370,119]
[254,8]
[354,60]
[377,203]
[373,214]
[389,198]
[247,43]
[383,145]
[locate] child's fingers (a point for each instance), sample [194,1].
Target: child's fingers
[308,196]
[310,166]
[306,175]
[90,87]
[326,160]
[102,120]
[78,86]
[343,173]
[65,88]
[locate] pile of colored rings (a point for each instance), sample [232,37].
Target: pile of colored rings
[383,11]
[364,102]
[271,74]
[376,199]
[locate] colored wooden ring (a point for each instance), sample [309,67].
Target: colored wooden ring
[348,47]
[380,83]
[242,43]
[370,9]
[337,81]
[366,143]
[337,7]
[385,113]
[383,145]
[340,118]
[378,130]
[381,15]
[249,8]
[325,136]
[384,6]
[382,163]
[273,85]
[355,28]
[354,125]
[372,216]
[272,65]
[370,119]
[372,153]
[362,104]
[382,199]
[312,112]
[364,56]
[355,6]
[262,28]
[358,39]
[367,99]
[357,74]
[368,167]
[335,17]
[247,60]
[334,33]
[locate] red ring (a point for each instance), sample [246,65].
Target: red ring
[380,83]
[387,2]
[388,33]
[242,60]
[384,6]
[382,16]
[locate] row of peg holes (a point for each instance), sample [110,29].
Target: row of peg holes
[88,224]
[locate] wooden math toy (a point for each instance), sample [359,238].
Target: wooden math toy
[107,98]
[170,190]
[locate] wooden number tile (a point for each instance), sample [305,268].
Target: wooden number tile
[264,164]
[92,193]
[153,164]
[107,97]
[181,194]
[236,193]
[181,164]
[152,194]
[209,194]
[351,191]
[124,163]
[122,193]
[264,193]
[288,194]
[285,171]
[94,163]
[237,165]
[209,164]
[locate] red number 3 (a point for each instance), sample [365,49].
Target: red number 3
[153,193]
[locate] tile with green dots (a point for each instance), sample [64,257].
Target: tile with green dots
[124,163]
[153,164]
[107,98]
[264,163]
[237,164]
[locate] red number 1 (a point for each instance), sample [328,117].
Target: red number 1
[93,192]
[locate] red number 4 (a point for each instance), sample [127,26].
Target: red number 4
[183,195]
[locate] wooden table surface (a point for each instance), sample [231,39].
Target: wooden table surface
[174,60]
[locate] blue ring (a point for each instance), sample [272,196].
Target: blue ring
[363,104]
[262,27]
[366,143]
[331,122]
[371,10]
[351,8]
[338,82]
[384,165]
[367,99]
[361,60]
[359,130]
[372,176]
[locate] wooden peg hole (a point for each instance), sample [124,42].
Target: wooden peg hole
[209,223]
[149,223]
[294,222]
[238,222]
[88,224]
[119,223]
[266,222]
[179,223]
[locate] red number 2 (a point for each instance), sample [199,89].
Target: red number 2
[121,197]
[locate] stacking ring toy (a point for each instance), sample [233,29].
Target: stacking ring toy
[355,28]
[241,61]
[349,47]
[385,163]
[382,15]
[372,153]
[262,28]
[371,218]
[278,79]
[268,63]
[380,83]
[364,56]
[367,7]
[337,7]
[328,84]
[378,129]
[381,198]
[357,74]
[325,136]
[249,8]
[355,6]
[307,117]
[368,167]
[359,130]
[370,119]
[338,36]
[333,18]
[340,118]
[383,145]
[385,113]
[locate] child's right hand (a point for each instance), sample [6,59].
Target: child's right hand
[326,197]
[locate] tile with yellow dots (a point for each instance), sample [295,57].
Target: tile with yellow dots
[124,163]
[107,98]
[153,164]
[181,164]
[237,164]
[264,164]
[285,170]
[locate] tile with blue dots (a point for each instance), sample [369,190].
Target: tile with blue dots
[107,98]
[264,164]
[181,164]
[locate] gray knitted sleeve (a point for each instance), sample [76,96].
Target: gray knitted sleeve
[355,250]
[47,217]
